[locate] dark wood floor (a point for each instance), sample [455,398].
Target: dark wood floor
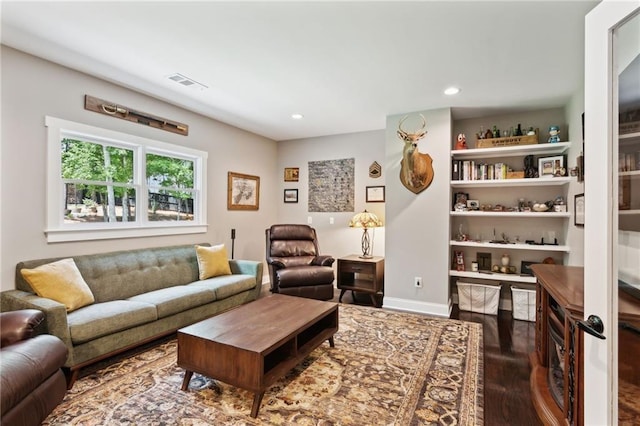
[507,344]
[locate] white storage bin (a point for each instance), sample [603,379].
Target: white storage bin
[478,297]
[524,303]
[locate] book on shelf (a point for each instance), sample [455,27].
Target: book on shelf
[470,170]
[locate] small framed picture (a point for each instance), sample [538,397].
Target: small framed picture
[243,191]
[525,267]
[473,204]
[290,195]
[460,200]
[552,166]
[578,210]
[375,194]
[291,174]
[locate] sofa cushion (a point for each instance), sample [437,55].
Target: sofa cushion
[60,281]
[101,319]
[228,285]
[304,276]
[212,261]
[173,300]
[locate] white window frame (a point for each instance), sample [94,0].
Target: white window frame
[58,231]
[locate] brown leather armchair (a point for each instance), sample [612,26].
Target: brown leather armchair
[295,266]
[32,383]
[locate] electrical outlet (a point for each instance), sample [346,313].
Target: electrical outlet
[309,220]
[417,281]
[331,221]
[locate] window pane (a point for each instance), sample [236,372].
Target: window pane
[168,205]
[92,161]
[98,203]
[169,172]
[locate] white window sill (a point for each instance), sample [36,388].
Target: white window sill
[65,235]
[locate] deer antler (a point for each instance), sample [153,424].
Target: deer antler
[415,136]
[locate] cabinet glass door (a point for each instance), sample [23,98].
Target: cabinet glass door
[612,245]
[626,49]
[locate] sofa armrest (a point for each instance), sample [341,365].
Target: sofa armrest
[323,260]
[16,326]
[55,313]
[248,267]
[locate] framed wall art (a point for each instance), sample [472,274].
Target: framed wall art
[375,194]
[290,195]
[291,174]
[552,166]
[578,210]
[243,191]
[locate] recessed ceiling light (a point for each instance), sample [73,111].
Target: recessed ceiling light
[451,90]
[297,116]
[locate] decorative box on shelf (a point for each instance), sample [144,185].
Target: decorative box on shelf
[515,174]
[508,141]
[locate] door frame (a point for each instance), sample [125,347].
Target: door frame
[600,273]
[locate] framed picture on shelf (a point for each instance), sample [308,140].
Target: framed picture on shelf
[243,191]
[375,194]
[551,166]
[290,195]
[578,210]
[460,201]
[525,267]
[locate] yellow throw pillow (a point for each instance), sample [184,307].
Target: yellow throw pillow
[60,281]
[212,261]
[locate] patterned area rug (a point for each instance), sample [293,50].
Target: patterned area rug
[387,368]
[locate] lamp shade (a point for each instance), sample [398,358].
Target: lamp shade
[365,220]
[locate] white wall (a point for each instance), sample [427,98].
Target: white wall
[417,227]
[575,234]
[33,88]
[336,239]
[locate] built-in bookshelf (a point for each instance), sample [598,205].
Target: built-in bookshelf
[531,235]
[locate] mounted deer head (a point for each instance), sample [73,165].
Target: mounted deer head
[415,136]
[416,171]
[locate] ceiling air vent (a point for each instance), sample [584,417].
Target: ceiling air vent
[186,81]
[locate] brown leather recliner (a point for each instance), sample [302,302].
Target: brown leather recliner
[295,266]
[32,383]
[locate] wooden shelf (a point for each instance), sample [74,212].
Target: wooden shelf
[511,151]
[628,212]
[555,181]
[494,276]
[476,213]
[520,246]
[632,173]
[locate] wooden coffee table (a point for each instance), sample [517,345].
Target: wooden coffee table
[255,344]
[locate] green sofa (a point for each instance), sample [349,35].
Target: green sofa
[140,295]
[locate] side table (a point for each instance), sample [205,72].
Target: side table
[362,275]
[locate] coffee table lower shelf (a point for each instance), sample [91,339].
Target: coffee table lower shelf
[251,347]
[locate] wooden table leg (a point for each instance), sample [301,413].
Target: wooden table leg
[257,400]
[331,342]
[341,294]
[187,379]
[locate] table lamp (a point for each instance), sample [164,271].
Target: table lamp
[365,220]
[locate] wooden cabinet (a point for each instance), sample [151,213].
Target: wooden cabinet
[362,275]
[557,374]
